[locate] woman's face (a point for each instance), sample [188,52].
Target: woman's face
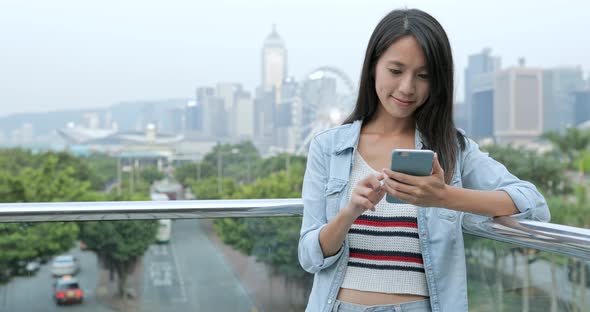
[401,80]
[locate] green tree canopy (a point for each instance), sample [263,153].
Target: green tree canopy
[119,244]
[46,182]
[544,171]
[569,143]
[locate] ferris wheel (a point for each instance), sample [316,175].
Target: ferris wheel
[327,97]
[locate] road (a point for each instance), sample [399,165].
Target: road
[189,274]
[35,293]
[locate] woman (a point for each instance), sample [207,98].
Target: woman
[370,255]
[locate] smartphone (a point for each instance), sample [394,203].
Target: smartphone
[412,162]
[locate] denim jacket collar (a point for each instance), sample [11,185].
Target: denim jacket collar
[349,137]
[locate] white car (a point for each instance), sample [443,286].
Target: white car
[65,265]
[33,266]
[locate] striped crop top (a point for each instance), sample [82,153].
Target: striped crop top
[384,246]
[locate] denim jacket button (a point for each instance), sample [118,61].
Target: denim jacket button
[330,301]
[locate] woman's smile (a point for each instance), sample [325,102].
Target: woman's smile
[402,103]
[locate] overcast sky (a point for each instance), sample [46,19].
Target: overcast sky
[80,54]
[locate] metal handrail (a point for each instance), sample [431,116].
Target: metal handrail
[142,210]
[560,239]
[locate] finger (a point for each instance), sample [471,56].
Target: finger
[401,177]
[403,196]
[364,191]
[401,187]
[371,194]
[373,181]
[367,204]
[436,168]
[381,193]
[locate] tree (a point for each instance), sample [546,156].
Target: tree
[151,174]
[46,183]
[207,188]
[544,171]
[570,143]
[271,240]
[119,244]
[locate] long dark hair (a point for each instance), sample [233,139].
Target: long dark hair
[434,119]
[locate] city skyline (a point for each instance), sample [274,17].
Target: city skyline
[90,66]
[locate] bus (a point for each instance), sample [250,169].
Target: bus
[164,225]
[164,231]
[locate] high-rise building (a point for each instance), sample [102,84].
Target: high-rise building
[146,116]
[177,118]
[518,105]
[479,64]
[264,118]
[193,120]
[227,91]
[274,63]
[287,113]
[244,112]
[459,115]
[581,107]
[482,106]
[283,113]
[217,115]
[203,111]
[559,85]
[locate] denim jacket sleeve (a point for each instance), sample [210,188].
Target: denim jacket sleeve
[310,252]
[481,172]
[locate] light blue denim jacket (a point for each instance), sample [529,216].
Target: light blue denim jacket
[325,183]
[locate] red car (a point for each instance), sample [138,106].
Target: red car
[67,290]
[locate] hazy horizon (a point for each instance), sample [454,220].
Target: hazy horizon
[66,54]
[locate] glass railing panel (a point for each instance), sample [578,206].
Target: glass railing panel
[505,277]
[189,268]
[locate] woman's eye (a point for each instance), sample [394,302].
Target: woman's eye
[395,71]
[423,76]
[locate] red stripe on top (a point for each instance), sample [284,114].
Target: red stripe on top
[387,223]
[385,258]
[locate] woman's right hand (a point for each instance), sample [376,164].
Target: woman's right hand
[365,195]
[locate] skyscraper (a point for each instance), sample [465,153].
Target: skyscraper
[559,85]
[479,76]
[264,114]
[581,106]
[194,118]
[518,105]
[244,115]
[482,106]
[227,91]
[204,97]
[177,118]
[274,63]
[287,116]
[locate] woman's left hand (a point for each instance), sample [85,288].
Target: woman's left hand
[427,191]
